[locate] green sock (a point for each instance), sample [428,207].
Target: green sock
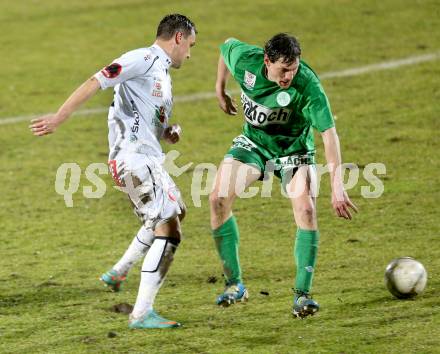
[227,241]
[305,253]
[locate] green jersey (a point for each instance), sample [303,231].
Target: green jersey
[279,120]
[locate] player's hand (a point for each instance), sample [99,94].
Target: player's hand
[172,133]
[44,125]
[227,104]
[342,204]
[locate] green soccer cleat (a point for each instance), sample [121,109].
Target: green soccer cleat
[151,320]
[232,294]
[304,305]
[113,280]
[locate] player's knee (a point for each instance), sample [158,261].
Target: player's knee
[169,228]
[217,202]
[306,211]
[176,235]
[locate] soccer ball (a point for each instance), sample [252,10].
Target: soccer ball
[405,277]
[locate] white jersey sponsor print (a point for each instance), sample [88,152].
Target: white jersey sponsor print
[142,100]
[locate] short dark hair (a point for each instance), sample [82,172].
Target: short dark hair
[173,23]
[282,46]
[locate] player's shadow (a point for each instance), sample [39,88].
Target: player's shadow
[383,321]
[377,300]
[427,301]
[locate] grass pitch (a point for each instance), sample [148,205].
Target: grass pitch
[51,256]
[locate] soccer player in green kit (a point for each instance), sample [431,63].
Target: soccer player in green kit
[283,101]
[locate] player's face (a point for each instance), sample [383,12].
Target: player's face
[280,72]
[183,48]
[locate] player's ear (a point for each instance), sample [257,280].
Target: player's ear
[178,37]
[266,59]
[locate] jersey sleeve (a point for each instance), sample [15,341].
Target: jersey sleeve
[124,68]
[317,108]
[231,51]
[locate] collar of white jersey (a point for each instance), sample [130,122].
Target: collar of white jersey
[163,56]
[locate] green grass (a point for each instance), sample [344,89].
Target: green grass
[51,256]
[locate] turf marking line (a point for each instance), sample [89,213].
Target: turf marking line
[387,65]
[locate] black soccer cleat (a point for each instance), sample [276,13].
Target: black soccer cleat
[304,305]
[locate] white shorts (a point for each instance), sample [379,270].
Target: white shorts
[155,197]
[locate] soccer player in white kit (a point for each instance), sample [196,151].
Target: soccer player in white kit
[137,120]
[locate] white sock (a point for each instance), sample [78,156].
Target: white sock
[154,269]
[137,249]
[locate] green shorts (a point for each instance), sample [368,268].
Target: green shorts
[245,150]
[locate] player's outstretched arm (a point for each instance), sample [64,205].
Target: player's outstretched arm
[226,102]
[340,201]
[48,124]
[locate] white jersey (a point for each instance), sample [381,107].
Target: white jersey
[142,100]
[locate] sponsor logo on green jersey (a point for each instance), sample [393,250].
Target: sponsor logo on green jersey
[259,115]
[249,80]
